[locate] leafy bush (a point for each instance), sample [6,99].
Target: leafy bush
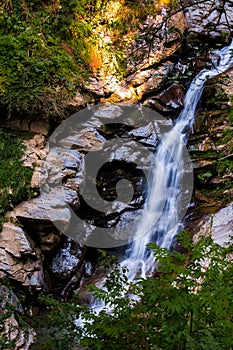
[187,304]
[205,177]
[43,54]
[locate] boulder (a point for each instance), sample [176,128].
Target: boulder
[44,210]
[20,258]
[21,338]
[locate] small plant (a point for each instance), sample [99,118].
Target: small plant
[205,177]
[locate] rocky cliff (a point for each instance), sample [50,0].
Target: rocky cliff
[170,48]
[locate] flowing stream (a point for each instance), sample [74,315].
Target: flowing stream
[161,217]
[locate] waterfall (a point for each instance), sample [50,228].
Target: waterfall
[169,169]
[164,224]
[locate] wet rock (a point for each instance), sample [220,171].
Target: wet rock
[89,269]
[67,260]
[146,135]
[64,158]
[130,152]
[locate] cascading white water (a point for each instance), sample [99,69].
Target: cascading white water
[169,169]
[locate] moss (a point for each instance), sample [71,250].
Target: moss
[15,179]
[225,166]
[44,54]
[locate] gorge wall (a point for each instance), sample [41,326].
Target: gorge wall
[171,47]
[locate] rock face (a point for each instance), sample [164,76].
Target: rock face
[59,176]
[39,256]
[64,170]
[170,100]
[27,124]
[20,259]
[22,339]
[211,143]
[146,57]
[219,226]
[212,18]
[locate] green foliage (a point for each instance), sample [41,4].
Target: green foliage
[205,177]
[216,96]
[14,177]
[227,135]
[230,117]
[186,305]
[225,166]
[57,329]
[43,52]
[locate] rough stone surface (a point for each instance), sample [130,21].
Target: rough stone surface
[212,18]
[51,207]
[83,141]
[77,102]
[34,150]
[20,259]
[23,338]
[171,98]
[219,226]
[149,86]
[95,86]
